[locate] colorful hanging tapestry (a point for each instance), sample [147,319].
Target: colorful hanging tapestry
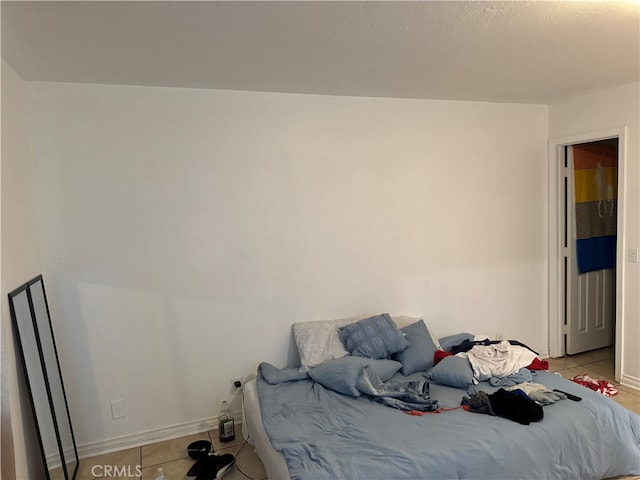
[596,179]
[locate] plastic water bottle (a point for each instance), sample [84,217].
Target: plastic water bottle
[161,475]
[226,425]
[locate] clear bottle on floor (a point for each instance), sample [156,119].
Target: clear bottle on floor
[226,425]
[161,475]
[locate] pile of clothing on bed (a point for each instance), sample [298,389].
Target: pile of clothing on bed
[511,365]
[375,349]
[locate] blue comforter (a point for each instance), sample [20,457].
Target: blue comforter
[323,434]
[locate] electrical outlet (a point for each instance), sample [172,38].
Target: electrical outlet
[235,390]
[118,409]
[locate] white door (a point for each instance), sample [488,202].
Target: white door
[590,297]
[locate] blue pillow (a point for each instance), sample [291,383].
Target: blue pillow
[452,371]
[419,356]
[341,374]
[373,337]
[447,343]
[274,375]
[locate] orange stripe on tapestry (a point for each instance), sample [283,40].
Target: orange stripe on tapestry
[589,155]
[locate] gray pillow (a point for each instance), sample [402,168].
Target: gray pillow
[274,375]
[452,371]
[341,374]
[373,337]
[419,356]
[446,343]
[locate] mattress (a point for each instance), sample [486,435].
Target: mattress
[253,430]
[314,427]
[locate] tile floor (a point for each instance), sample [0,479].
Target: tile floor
[598,364]
[172,456]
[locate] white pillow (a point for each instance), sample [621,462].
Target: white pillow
[318,341]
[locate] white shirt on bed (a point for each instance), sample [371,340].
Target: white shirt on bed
[498,360]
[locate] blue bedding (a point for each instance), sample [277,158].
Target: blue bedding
[323,434]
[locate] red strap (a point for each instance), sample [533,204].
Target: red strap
[418,413]
[439,355]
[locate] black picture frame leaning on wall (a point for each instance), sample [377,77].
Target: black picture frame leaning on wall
[32,322]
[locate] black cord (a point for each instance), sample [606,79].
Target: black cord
[241,388]
[238,466]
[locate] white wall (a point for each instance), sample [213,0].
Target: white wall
[20,262]
[185,230]
[602,110]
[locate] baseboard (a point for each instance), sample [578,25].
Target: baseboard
[543,353]
[151,436]
[631,382]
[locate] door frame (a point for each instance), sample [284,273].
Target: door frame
[556,254]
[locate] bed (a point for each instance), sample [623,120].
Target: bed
[302,429]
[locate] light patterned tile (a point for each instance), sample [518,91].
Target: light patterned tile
[601,370]
[569,373]
[561,363]
[174,470]
[161,454]
[177,469]
[232,449]
[247,464]
[572,361]
[104,466]
[218,445]
[595,371]
[601,354]
[169,450]
[555,364]
[593,356]
[629,390]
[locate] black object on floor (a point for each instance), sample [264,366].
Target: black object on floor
[212,466]
[199,448]
[199,468]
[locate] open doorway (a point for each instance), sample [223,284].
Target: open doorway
[590,233]
[561,178]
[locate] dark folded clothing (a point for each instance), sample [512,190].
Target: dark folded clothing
[515,405]
[478,402]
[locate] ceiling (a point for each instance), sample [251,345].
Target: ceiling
[515,51]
